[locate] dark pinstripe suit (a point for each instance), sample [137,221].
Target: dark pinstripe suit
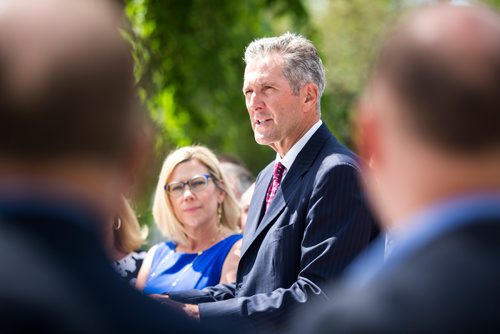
[317,223]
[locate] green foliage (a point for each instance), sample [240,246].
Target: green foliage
[349,33]
[190,67]
[493,3]
[189,64]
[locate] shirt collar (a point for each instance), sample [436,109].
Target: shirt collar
[290,156]
[443,217]
[418,231]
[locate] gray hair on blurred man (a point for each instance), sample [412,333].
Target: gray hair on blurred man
[430,125]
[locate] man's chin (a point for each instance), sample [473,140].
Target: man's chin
[263,140]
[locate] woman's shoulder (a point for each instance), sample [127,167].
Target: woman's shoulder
[234,237]
[164,245]
[229,239]
[160,249]
[226,243]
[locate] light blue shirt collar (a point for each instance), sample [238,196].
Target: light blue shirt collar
[445,216]
[421,229]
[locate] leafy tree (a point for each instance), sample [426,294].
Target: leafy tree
[349,31]
[493,3]
[190,69]
[189,63]
[189,56]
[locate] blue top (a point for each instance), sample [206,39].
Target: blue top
[172,271]
[419,231]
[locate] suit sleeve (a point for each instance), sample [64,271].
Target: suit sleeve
[337,227]
[211,294]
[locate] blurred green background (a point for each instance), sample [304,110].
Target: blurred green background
[189,66]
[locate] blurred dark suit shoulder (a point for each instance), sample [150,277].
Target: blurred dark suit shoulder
[56,278]
[450,285]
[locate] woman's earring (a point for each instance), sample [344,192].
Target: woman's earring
[219,215]
[117,224]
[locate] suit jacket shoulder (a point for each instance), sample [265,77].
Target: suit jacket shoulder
[57,278]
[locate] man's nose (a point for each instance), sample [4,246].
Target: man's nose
[255,102]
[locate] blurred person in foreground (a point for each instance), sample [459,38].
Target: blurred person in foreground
[124,241]
[68,122]
[307,218]
[430,124]
[198,215]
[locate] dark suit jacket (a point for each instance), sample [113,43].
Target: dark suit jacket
[55,277]
[452,285]
[316,224]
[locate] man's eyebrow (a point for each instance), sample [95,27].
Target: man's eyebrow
[267,83]
[259,83]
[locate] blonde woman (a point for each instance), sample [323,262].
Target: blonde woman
[124,241]
[197,213]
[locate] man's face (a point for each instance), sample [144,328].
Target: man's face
[275,112]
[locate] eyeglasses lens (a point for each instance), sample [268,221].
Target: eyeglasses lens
[196,184]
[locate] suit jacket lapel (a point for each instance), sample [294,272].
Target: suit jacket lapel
[285,192]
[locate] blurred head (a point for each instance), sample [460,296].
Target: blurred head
[67,99]
[237,177]
[190,192]
[284,81]
[245,204]
[67,86]
[429,122]
[126,229]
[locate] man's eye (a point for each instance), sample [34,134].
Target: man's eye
[248,92]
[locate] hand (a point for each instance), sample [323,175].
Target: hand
[191,310]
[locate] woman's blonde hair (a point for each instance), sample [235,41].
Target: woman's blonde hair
[127,235]
[163,213]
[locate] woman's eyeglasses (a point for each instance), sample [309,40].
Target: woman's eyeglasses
[196,184]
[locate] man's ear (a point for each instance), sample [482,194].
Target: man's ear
[138,158]
[310,96]
[367,133]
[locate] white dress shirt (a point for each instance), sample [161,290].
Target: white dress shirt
[290,156]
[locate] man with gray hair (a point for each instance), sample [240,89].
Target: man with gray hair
[307,219]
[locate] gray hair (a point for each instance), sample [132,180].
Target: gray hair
[237,177]
[301,61]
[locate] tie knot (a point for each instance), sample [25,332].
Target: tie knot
[279,169]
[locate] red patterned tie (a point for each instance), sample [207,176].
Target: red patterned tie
[279,169]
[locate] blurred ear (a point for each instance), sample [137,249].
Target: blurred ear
[139,157]
[310,96]
[221,194]
[368,133]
